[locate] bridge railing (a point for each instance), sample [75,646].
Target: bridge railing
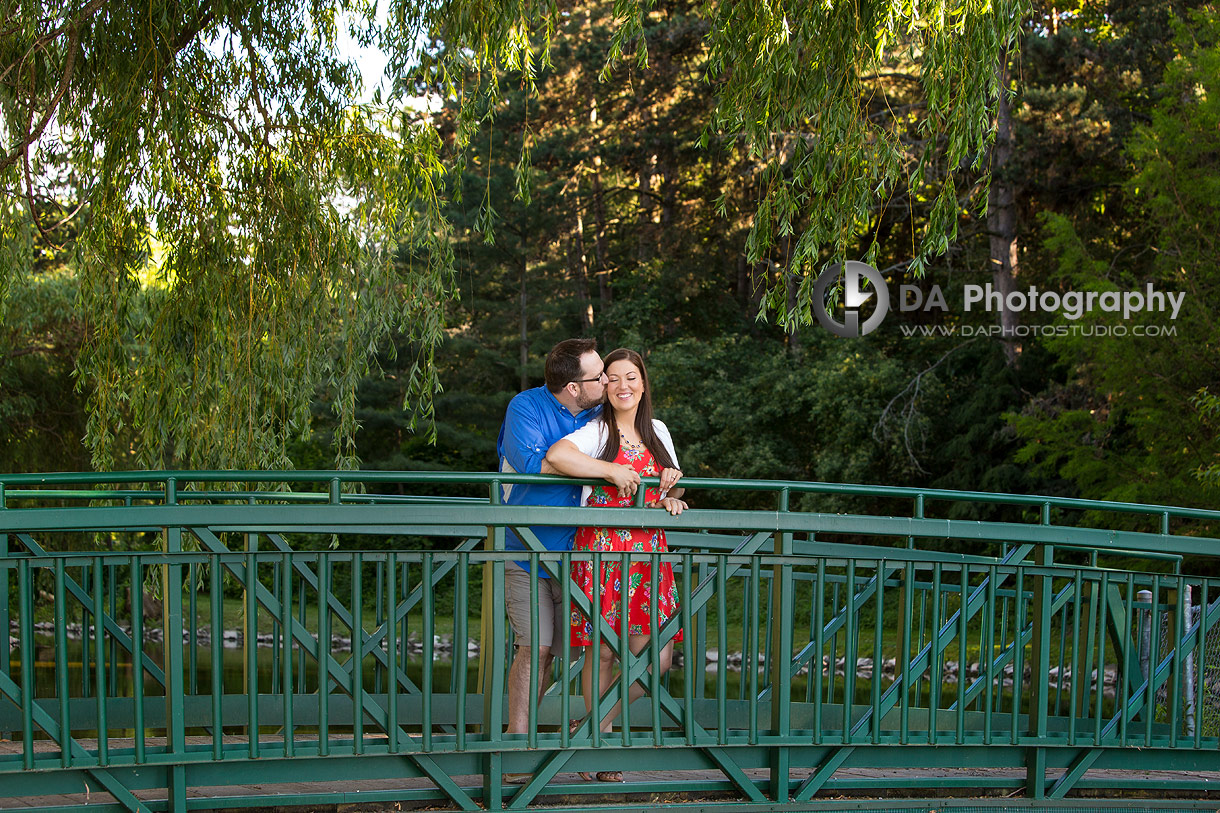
[247,646]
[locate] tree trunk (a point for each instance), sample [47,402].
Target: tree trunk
[604,293]
[646,208]
[1002,219]
[578,263]
[744,278]
[644,225]
[525,343]
[792,286]
[669,191]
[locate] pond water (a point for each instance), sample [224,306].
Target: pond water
[269,668]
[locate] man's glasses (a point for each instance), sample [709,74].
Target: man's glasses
[597,377]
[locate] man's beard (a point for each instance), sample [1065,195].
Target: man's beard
[585,402]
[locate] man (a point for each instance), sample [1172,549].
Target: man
[536,418]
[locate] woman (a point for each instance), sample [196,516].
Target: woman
[620,447]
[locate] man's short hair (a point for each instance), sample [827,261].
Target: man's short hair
[563,362]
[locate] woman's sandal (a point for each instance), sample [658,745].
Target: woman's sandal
[600,776]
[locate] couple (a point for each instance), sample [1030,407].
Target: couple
[592,419]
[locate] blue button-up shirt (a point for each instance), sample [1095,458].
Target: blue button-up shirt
[535,419]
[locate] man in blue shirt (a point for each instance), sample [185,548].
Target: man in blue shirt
[536,418]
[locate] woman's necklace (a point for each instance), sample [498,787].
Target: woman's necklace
[626,442]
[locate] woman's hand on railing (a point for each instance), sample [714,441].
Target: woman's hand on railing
[673,505]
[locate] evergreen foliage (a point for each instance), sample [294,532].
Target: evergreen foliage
[215,153]
[1124,424]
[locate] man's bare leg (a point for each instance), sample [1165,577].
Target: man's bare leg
[519,686]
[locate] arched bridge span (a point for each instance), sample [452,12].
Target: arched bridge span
[187,640]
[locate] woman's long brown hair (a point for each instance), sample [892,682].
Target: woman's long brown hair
[643,415]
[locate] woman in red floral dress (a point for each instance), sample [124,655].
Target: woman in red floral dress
[620,447]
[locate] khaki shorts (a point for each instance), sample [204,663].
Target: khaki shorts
[552,615]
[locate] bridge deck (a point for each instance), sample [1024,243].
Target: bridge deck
[568,790]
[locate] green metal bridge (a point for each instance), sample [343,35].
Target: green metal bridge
[299,634]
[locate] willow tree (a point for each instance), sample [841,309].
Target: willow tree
[246,233]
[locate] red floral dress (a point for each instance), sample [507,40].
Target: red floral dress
[606,591]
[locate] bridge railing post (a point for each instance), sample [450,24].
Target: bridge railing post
[1183,623]
[491,656]
[1039,661]
[5,631]
[175,690]
[781,661]
[905,617]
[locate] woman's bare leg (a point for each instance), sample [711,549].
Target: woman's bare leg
[601,667]
[636,644]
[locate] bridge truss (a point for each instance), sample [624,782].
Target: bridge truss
[297,634]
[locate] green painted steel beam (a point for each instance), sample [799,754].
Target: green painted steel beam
[395,519]
[483,478]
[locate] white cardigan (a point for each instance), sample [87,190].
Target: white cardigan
[593,437]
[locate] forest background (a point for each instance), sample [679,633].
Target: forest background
[1105,176]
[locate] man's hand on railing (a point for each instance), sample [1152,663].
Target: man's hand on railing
[624,478]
